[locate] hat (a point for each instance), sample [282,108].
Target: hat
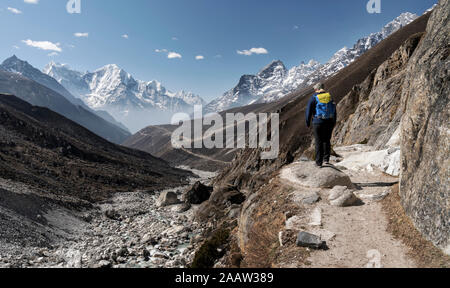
[319,86]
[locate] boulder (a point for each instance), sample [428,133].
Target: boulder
[305,239]
[167,199]
[198,194]
[341,196]
[113,215]
[309,175]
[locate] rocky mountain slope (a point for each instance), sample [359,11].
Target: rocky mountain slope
[425,137]
[374,95]
[44,149]
[275,81]
[133,102]
[16,65]
[294,133]
[37,94]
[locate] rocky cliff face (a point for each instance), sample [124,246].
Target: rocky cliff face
[399,92]
[405,104]
[426,133]
[370,113]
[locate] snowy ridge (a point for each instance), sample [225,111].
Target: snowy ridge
[275,81]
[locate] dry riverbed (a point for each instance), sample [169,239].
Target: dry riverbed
[127,231]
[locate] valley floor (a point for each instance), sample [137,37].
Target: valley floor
[128,230]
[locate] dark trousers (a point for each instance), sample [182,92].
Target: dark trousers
[323,133]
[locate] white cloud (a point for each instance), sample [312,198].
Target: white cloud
[43,45]
[218,56]
[170,55]
[199,57]
[14,10]
[252,51]
[16,47]
[79,35]
[173,55]
[125,36]
[31,1]
[296,27]
[53,54]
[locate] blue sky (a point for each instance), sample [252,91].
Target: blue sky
[289,30]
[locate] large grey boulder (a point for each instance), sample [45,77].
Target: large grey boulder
[425,161]
[167,199]
[198,193]
[309,175]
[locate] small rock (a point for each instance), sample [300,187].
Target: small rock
[295,223]
[316,217]
[148,238]
[113,215]
[341,196]
[305,239]
[73,258]
[123,252]
[286,237]
[311,199]
[103,264]
[146,254]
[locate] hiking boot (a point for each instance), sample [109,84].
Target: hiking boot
[319,165]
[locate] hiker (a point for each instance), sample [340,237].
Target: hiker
[321,111]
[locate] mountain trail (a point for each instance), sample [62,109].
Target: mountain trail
[356,236]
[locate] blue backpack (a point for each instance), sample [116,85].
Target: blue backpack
[325,106]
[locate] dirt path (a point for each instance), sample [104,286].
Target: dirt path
[357,235]
[361,238]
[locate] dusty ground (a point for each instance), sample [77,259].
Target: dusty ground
[356,236]
[361,237]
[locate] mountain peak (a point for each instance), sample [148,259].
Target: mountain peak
[13,60]
[275,67]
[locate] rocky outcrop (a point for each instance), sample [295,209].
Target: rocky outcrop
[370,113]
[198,193]
[426,133]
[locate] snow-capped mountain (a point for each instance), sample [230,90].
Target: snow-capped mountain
[18,66]
[135,103]
[275,81]
[271,83]
[346,56]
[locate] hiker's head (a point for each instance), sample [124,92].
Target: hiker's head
[319,87]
